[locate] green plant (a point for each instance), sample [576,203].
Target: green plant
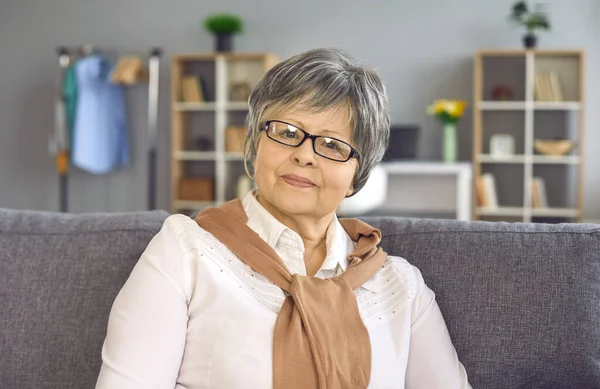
[223,23]
[532,20]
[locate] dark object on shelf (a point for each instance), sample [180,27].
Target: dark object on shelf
[403,143]
[204,144]
[502,93]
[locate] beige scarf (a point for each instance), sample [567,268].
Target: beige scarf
[320,340]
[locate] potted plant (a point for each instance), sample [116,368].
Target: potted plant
[223,26]
[532,20]
[449,112]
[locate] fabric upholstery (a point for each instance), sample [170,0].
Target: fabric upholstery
[521,301]
[59,275]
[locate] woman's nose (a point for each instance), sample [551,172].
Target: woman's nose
[305,154]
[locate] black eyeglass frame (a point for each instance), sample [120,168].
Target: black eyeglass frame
[353,152]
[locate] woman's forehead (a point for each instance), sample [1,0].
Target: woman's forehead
[335,119]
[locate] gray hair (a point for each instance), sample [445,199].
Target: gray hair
[318,80]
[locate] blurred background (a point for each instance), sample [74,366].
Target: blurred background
[526,147]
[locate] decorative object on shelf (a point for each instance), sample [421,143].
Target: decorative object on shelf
[502,146]
[204,144]
[224,26]
[553,147]
[234,139]
[197,189]
[532,19]
[239,91]
[502,93]
[449,112]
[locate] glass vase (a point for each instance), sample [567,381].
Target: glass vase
[450,144]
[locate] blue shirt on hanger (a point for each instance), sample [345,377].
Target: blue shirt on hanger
[101,139]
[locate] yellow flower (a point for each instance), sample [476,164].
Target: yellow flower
[452,108]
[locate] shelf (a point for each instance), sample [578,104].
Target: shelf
[487,158]
[523,105]
[500,211]
[180,106]
[557,106]
[502,105]
[517,211]
[237,106]
[536,159]
[190,204]
[195,155]
[565,160]
[234,156]
[555,212]
[231,106]
[426,167]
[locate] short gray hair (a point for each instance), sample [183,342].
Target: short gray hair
[318,80]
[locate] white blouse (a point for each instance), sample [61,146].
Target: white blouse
[193,315]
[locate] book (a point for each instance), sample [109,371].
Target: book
[480,193]
[489,184]
[557,93]
[191,92]
[538,193]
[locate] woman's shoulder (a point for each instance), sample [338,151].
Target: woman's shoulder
[186,232]
[396,276]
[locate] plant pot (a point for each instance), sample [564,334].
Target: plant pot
[223,42]
[530,41]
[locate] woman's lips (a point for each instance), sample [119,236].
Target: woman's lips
[297,181]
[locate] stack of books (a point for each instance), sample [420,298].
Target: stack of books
[548,87]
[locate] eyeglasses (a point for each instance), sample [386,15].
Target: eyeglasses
[290,135]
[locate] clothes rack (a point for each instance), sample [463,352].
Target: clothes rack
[59,138]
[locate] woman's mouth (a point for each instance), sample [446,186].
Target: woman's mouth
[297,181]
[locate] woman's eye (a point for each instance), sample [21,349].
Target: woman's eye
[333,145]
[287,134]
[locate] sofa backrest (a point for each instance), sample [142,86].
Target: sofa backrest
[521,301]
[59,274]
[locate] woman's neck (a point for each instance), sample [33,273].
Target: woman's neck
[312,230]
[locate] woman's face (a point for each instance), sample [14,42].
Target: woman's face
[280,169]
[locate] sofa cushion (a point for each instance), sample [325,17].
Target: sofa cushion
[59,274]
[521,301]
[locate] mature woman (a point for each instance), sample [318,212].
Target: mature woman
[273,290]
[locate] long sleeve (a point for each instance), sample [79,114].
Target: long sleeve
[432,362]
[147,326]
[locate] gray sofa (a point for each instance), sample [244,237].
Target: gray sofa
[522,301]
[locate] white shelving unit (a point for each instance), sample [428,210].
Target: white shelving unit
[527,119]
[208,120]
